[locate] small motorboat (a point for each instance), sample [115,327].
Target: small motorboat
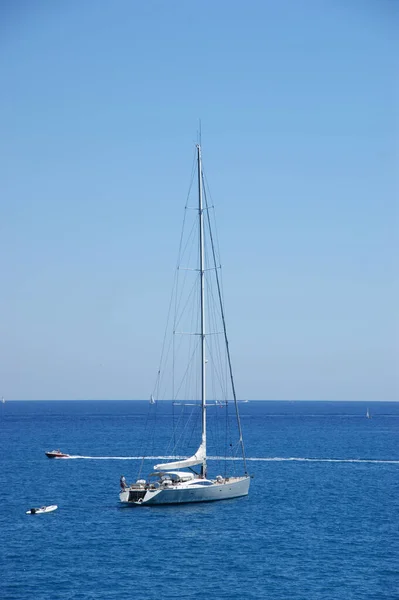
[41,510]
[56,454]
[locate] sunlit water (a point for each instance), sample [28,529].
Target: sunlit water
[320,521]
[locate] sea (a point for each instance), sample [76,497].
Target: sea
[320,521]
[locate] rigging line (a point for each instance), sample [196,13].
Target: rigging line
[217,374]
[216,433]
[207,191]
[184,430]
[193,346]
[195,425]
[183,378]
[177,346]
[187,433]
[172,442]
[174,294]
[165,335]
[214,342]
[193,171]
[213,228]
[226,341]
[170,447]
[173,341]
[165,368]
[189,236]
[171,354]
[220,360]
[183,309]
[181,313]
[226,436]
[175,278]
[176,301]
[146,444]
[181,280]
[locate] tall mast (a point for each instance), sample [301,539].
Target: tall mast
[202,296]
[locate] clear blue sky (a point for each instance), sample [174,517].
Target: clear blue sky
[98,115]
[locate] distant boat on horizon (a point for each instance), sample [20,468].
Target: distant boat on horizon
[368,414]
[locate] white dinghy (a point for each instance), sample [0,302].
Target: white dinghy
[42,510]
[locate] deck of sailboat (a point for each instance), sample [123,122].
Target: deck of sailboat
[196,489]
[199,481]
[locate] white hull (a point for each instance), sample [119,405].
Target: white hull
[42,510]
[182,493]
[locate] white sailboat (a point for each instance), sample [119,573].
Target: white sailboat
[368,414]
[152,399]
[183,480]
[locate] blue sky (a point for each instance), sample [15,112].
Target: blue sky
[98,114]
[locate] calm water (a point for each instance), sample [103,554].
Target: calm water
[325,528]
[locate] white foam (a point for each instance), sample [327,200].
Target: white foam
[330,460]
[254,459]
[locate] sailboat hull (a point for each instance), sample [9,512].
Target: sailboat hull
[234,487]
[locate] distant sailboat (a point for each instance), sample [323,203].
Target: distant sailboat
[152,399]
[3,400]
[368,414]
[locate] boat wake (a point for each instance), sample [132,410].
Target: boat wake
[253,459]
[329,460]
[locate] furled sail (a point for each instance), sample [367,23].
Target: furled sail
[198,458]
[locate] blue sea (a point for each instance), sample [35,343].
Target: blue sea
[320,521]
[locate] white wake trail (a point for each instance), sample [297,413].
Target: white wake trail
[254,459]
[330,460]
